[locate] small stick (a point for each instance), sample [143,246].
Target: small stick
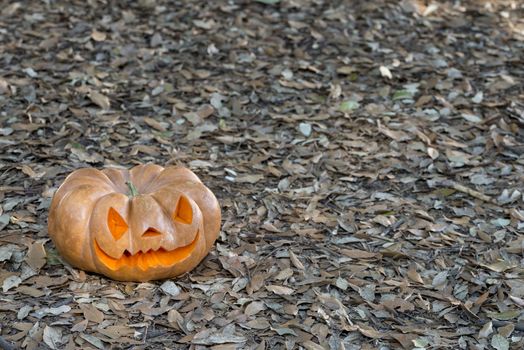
[11,189]
[461,188]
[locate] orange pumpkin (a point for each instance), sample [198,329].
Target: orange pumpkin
[141,224]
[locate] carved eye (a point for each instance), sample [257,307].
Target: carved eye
[117,225]
[183,212]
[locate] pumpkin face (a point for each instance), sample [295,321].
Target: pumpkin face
[143,224]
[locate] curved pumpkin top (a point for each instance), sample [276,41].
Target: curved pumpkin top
[146,179]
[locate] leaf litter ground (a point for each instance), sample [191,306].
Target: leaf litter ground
[368,157]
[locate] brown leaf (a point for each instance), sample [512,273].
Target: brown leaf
[280,290]
[256,282]
[254,178]
[371,332]
[414,275]
[254,307]
[258,323]
[155,124]
[397,135]
[310,345]
[359,254]
[296,261]
[99,99]
[80,326]
[31,291]
[398,304]
[406,340]
[175,319]
[28,171]
[98,36]
[91,313]
[205,111]
[36,256]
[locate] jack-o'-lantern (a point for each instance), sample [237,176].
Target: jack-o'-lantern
[141,224]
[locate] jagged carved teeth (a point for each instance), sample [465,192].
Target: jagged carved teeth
[128,253]
[151,258]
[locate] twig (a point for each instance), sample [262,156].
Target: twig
[461,188]
[11,189]
[5,345]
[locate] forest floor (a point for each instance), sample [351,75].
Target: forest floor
[368,157]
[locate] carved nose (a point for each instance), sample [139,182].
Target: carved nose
[151,232]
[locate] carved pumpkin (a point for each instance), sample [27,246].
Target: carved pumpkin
[141,224]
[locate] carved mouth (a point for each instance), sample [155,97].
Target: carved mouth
[148,259]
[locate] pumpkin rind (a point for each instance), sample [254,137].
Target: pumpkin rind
[164,231]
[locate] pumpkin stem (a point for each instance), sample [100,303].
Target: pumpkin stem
[133,192]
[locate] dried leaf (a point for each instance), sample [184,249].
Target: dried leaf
[296,261]
[99,99]
[280,290]
[36,256]
[98,36]
[486,330]
[499,342]
[91,313]
[11,282]
[254,178]
[305,129]
[254,307]
[96,342]
[359,254]
[385,72]
[170,288]
[52,337]
[440,279]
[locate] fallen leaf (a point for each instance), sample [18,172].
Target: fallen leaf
[11,282]
[296,261]
[36,256]
[499,342]
[486,330]
[91,313]
[280,290]
[305,129]
[170,288]
[99,99]
[80,326]
[98,36]
[385,72]
[249,178]
[96,342]
[359,254]
[254,307]
[52,337]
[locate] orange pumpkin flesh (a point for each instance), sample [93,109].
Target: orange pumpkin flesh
[138,225]
[146,260]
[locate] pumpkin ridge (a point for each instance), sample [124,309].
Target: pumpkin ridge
[90,212]
[114,186]
[72,188]
[153,180]
[184,175]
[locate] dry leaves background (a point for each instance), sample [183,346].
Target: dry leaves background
[368,155]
